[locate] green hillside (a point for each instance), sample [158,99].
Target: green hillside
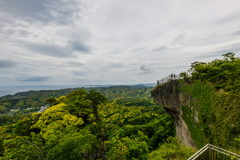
[23,100]
[216,89]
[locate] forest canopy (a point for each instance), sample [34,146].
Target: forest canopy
[86,125]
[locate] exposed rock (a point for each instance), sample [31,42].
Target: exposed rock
[169,96]
[196,120]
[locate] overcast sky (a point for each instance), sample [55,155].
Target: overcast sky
[79,42]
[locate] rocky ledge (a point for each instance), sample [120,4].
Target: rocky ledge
[171,98]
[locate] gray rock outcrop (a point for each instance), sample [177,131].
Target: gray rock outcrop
[169,96]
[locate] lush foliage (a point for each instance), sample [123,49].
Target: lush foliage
[215,90]
[172,149]
[134,131]
[83,125]
[225,118]
[35,99]
[222,73]
[7,119]
[4,109]
[202,106]
[70,129]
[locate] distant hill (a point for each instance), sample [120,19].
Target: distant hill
[32,99]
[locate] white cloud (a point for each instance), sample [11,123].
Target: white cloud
[110,41]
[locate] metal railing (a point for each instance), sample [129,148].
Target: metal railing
[169,77]
[211,152]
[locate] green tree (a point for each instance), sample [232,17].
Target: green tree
[4,109]
[25,147]
[128,148]
[51,101]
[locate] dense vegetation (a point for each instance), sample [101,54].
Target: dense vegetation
[83,125]
[215,87]
[32,99]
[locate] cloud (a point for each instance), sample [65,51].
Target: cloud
[181,66]
[162,48]
[144,70]
[58,11]
[116,51]
[115,65]
[140,49]
[24,33]
[49,50]
[178,39]
[33,79]
[219,52]
[8,32]
[7,64]
[54,50]
[236,33]
[228,19]
[75,64]
[79,46]
[112,40]
[78,73]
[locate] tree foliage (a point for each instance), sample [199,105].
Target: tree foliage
[34,99]
[83,123]
[223,73]
[215,90]
[171,150]
[61,132]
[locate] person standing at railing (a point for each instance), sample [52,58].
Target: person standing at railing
[171,76]
[157,82]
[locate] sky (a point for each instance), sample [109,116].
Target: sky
[97,42]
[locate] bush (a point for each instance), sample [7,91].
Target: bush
[172,149]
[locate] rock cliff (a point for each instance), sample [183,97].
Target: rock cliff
[169,96]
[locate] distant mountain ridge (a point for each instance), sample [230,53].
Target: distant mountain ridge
[8,91]
[33,99]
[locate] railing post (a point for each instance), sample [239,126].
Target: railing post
[169,77]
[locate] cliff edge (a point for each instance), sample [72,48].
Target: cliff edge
[169,96]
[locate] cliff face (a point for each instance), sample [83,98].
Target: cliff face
[168,96]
